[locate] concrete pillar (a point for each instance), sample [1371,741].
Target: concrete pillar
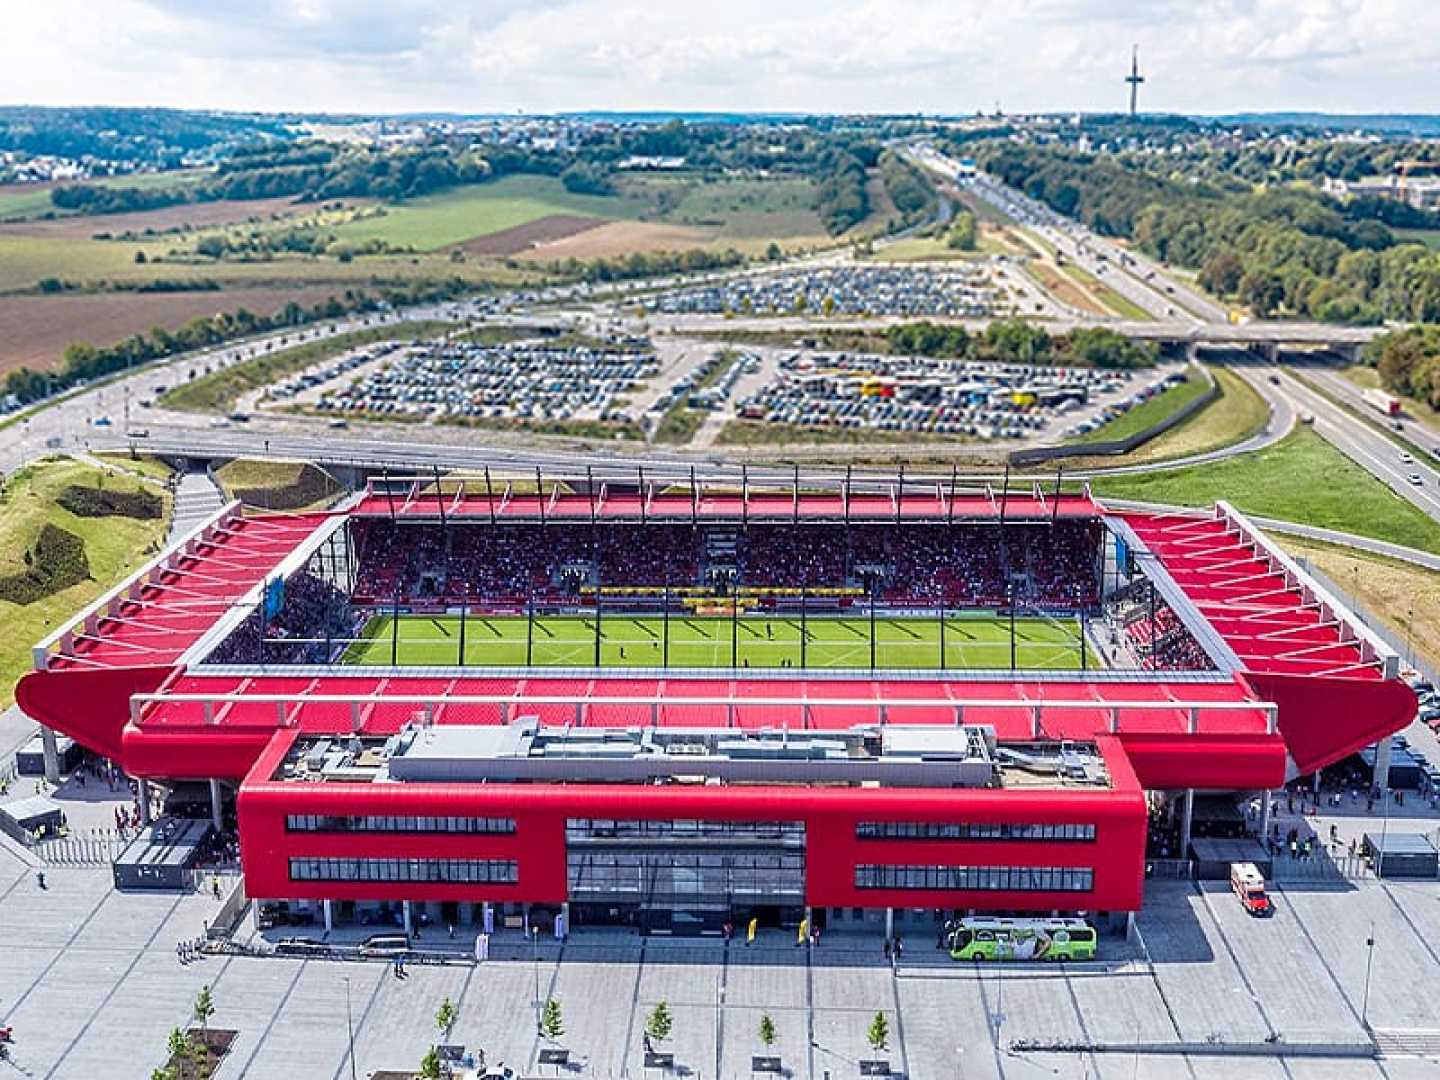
[1187,816]
[51,750]
[889,924]
[144,802]
[215,815]
[1266,798]
[1381,778]
[409,922]
[328,908]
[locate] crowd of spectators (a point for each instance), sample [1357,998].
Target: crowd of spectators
[313,613]
[961,565]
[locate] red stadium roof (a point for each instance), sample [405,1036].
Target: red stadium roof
[115,679]
[934,501]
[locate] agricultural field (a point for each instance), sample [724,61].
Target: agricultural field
[34,330]
[973,642]
[454,217]
[33,200]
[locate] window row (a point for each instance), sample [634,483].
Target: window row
[390,823]
[698,877]
[970,830]
[607,828]
[977,878]
[483,871]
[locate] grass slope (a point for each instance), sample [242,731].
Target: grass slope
[971,642]
[114,546]
[218,391]
[1301,478]
[1151,412]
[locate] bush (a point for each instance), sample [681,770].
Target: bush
[89,502]
[55,562]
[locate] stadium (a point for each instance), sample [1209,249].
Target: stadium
[675,701]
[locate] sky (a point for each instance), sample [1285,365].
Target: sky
[870,56]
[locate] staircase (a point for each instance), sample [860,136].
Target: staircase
[1407,1042]
[197,498]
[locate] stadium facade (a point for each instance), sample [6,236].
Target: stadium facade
[677,799]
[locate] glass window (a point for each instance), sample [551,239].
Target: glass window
[403,824]
[968,830]
[481,871]
[976,878]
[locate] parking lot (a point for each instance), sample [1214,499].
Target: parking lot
[525,381]
[953,291]
[958,399]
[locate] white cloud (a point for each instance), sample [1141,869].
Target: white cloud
[805,55]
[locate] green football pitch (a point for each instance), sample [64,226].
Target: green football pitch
[971,642]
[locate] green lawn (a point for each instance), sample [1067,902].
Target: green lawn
[463,213]
[1429,237]
[971,642]
[218,391]
[114,547]
[1301,478]
[1120,305]
[1151,412]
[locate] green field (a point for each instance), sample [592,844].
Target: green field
[1149,413]
[463,213]
[1429,237]
[971,642]
[1301,478]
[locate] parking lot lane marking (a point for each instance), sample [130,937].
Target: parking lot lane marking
[61,951]
[1080,1018]
[1334,979]
[899,1021]
[809,1012]
[130,967]
[380,983]
[270,1024]
[1424,944]
[1234,959]
[990,1027]
[720,991]
[634,1004]
[549,994]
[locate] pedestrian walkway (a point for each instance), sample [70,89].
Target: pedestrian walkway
[197,499]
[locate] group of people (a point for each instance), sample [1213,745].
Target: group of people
[963,565]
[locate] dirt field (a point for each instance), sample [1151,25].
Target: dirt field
[34,330]
[621,238]
[197,215]
[532,234]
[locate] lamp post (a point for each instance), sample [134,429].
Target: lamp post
[535,965]
[350,1026]
[1369,958]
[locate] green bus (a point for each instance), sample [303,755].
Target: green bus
[1023,939]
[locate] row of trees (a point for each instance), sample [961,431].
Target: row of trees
[909,189]
[641,265]
[840,196]
[1019,342]
[83,362]
[1408,362]
[1284,250]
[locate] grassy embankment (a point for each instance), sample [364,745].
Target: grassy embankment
[114,547]
[218,391]
[1302,478]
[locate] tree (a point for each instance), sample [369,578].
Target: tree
[551,1024]
[879,1033]
[445,1016]
[430,1064]
[659,1023]
[767,1031]
[962,233]
[204,1007]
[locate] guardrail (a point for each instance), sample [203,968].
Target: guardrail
[62,640]
[1112,447]
[287,707]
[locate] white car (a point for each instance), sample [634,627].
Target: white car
[1415,479]
[1406,459]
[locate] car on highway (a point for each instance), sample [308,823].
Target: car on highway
[1406,458]
[101,421]
[1416,479]
[1307,418]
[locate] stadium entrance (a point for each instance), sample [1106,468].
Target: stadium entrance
[685,877]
